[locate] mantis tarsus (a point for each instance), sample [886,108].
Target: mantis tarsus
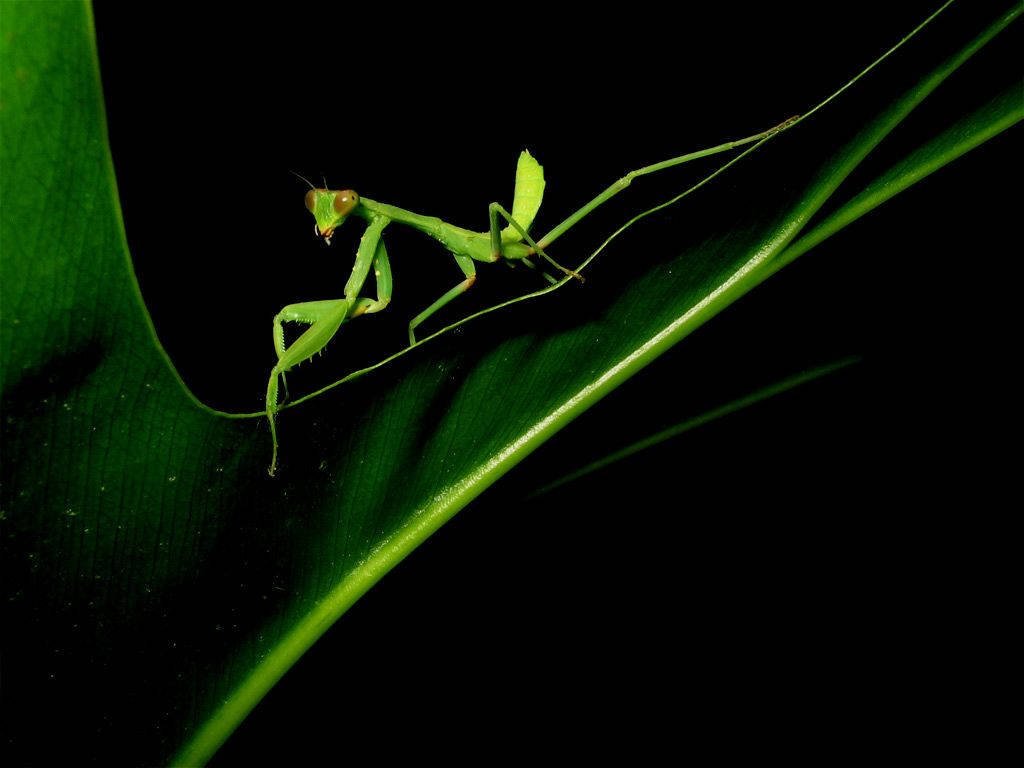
[331,208]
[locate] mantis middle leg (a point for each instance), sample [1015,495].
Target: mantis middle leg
[469,270]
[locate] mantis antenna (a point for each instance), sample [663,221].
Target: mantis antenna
[303,178]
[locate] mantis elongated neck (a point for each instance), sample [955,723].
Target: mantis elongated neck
[371,209]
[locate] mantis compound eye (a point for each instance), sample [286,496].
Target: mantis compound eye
[345,201]
[311,200]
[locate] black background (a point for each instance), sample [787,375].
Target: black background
[211,111]
[776,605]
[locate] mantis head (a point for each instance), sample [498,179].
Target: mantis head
[330,208]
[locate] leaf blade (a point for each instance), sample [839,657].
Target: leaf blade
[195,573]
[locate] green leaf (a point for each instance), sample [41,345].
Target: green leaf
[144,543]
[726,409]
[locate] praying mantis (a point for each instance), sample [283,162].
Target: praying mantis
[331,208]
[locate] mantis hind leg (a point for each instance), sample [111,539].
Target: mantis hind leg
[526,260]
[469,270]
[494,210]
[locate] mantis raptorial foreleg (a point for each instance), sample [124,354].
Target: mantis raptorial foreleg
[382,272]
[325,317]
[319,315]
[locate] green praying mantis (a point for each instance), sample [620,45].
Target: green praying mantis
[331,208]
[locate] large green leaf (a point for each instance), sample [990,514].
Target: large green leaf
[145,545]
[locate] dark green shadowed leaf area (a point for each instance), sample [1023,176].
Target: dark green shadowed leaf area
[157,583]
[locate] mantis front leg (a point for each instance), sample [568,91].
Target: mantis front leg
[325,317]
